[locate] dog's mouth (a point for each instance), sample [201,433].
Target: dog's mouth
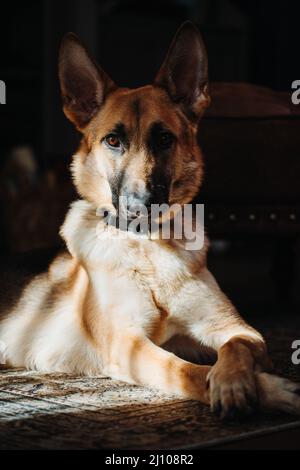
[139,211]
[134,215]
[139,221]
[139,217]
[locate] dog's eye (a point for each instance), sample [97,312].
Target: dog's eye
[112,141]
[165,140]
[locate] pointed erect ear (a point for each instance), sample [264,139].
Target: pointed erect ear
[84,85]
[184,72]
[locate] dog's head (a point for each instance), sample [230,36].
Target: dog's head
[137,143]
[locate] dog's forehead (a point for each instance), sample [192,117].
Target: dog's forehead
[137,110]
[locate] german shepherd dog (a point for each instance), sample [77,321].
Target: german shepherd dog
[121,306]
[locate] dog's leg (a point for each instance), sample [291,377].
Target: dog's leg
[111,306]
[236,382]
[118,331]
[135,359]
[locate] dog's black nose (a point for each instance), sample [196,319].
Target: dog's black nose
[159,194]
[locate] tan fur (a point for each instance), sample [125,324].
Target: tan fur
[111,304]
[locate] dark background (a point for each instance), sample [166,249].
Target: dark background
[253,41]
[247,41]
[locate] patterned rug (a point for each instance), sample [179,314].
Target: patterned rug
[57,411]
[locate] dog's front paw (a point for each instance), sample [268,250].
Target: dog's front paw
[277,393]
[232,392]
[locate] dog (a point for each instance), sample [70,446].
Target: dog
[123,306]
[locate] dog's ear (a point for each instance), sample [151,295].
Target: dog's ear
[183,73]
[84,85]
